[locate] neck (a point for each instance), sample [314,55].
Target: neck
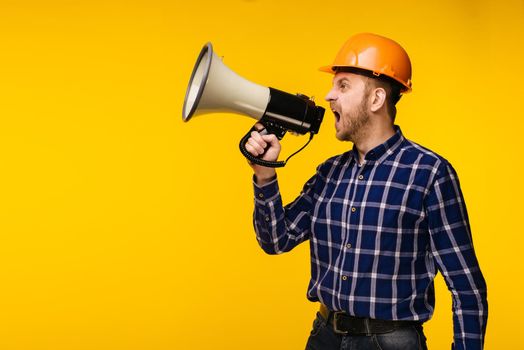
[371,137]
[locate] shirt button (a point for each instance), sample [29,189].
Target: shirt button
[353,209]
[345,278]
[361,177]
[261,195]
[348,246]
[267,218]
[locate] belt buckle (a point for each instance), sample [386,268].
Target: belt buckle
[335,324]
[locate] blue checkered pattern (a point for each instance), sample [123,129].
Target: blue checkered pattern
[378,233]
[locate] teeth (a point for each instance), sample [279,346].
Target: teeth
[335,113]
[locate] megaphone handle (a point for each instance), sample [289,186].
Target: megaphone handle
[255,160]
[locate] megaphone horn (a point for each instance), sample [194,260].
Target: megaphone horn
[214,88]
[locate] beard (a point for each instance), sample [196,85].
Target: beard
[354,123]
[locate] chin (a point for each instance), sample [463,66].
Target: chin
[343,137]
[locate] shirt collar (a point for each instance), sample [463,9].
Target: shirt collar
[383,150]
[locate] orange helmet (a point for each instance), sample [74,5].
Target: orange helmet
[377,54]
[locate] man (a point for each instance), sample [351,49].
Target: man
[381,218]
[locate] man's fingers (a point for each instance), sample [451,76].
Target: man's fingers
[271,139]
[263,144]
[251,150]
[255,147]
[258,138]
[259,127]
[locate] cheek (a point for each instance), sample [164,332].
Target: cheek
[346,110]
[345,103]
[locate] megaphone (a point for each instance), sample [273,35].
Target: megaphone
[214,88]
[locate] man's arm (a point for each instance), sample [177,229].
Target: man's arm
[279,229]
[452,249]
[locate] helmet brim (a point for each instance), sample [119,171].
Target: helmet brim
[332,69]
[327,69]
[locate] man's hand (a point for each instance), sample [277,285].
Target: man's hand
[269,146]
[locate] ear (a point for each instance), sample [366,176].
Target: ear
[378,99]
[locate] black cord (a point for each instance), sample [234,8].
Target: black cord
[307,143]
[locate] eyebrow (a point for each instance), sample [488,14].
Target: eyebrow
[341,80]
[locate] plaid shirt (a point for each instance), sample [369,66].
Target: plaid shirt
[378,234]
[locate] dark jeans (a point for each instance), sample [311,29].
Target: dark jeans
[323,337]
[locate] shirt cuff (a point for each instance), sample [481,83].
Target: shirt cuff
[266,191]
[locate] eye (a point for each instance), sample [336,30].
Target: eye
[343,85]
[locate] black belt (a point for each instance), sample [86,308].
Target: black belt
[343,323]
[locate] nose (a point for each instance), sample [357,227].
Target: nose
[331,96]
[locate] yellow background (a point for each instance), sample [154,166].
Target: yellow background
[121,227]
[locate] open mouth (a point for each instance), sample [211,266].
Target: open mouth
[337,115]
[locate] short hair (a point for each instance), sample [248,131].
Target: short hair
[392,87]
